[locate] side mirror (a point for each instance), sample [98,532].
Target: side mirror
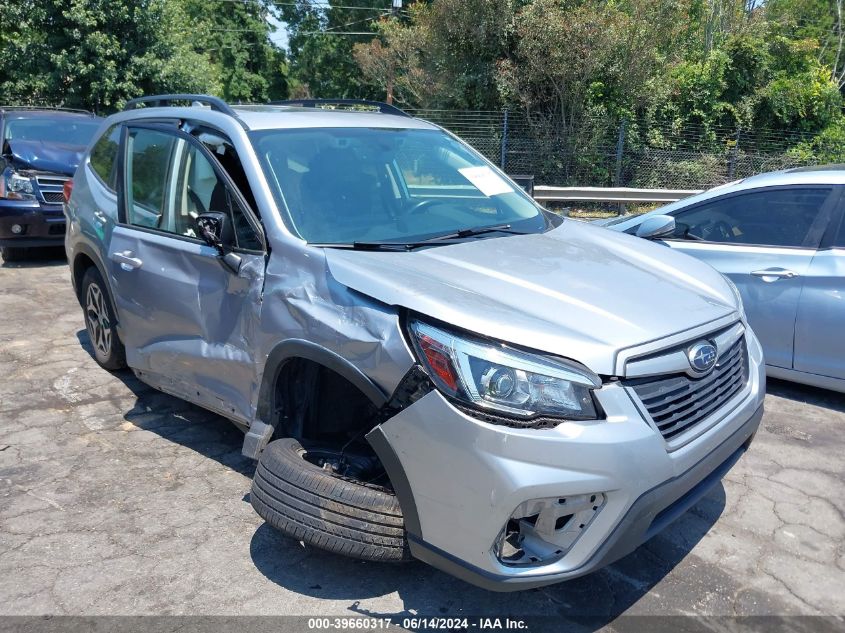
[217,231]
[656,226]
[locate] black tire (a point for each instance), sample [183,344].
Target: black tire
[100,321]
[13,253]
[325,510]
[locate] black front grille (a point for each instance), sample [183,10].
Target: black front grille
[51,181]
[678,402]
[56,229]
[51,187]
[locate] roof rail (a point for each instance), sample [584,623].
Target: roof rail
[384,108]
[26,108]
[162,101]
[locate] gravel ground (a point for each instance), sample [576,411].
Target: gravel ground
[117,499]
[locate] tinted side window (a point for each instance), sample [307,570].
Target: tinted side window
[839,240]
[104,156]
[781,217]
[148,158]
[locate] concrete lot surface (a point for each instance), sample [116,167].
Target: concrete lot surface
[116,499]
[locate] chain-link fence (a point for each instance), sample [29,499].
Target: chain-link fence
[621,153]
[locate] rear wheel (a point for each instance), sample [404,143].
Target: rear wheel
[13,253]
[299,492]
[100,322]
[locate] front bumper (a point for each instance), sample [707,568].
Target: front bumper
[43,224]
[459,479]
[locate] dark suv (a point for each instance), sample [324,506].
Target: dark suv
[40,149]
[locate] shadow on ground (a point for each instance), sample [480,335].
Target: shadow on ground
[583,604]
[179,421]
[802,393]
[39,258]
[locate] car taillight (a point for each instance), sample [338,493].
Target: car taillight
[67,188]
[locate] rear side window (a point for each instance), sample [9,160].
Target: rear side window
[148,159]
[104,157]
[781,217]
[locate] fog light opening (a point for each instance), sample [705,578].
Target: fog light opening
[17,229]
[542,531]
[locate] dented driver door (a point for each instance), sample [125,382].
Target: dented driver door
[185,318]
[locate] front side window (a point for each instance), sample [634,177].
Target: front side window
[778,217]
[342,185]
[171,183]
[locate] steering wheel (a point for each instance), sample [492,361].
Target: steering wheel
[720,231]
[422,205]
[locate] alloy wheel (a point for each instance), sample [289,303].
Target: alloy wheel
[99,326]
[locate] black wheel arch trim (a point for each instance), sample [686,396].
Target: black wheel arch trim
[84,249]
[300,348]
[398,479]
[261,429]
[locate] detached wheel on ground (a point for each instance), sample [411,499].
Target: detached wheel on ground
[13,254]
[319,507]
[100,322]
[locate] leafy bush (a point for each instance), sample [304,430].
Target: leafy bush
[827,147]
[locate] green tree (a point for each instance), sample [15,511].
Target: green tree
[234,37]
[445,55]
[91,54]
[96,54]
[321,46]
[818,21]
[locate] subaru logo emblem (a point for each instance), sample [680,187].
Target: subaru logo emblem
[702,357]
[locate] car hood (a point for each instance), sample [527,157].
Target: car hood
[53,157]
[578,291]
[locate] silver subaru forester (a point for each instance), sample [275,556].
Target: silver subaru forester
[424,362]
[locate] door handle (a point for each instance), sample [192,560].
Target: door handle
[773,274]
[126,261]
[99,216]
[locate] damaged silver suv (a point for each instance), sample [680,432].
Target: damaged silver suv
[424,362]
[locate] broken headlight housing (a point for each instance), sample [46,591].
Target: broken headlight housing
[503,380]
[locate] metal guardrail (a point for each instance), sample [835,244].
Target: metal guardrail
[621,195]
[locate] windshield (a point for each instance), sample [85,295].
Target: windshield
[75,131]
[346,185]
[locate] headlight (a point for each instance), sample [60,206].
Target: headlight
[502,379]
[15,186]
[735,290]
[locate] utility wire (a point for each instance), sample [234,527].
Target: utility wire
[309,5]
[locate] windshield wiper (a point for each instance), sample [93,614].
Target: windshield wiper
[365,246]
[431,241]
[498,228]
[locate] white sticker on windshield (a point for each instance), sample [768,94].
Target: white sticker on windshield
[486,180]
